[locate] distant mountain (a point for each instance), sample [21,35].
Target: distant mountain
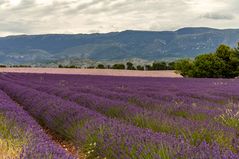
[147,45]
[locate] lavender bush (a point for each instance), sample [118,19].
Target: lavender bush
[122,117]
[22,137]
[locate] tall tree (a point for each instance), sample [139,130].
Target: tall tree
[208,65]
[159,66]
[130,66]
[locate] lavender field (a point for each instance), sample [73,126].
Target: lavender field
[85,116]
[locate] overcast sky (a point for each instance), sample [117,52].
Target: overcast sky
[89,16]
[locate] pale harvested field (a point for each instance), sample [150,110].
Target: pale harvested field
[106,72]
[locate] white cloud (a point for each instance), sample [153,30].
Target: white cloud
[86,16]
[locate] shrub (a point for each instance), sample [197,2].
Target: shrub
[224,63]
[118,66]
[100,66]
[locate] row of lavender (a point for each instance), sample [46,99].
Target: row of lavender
[202,90]
[131,109]
[208,94]
[21,136]
[97,134]
[193,99]
[195,126]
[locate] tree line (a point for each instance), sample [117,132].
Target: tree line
[161,65]
[223,63]
[4,66]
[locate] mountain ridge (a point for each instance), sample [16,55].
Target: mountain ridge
[149,45]
[207,28]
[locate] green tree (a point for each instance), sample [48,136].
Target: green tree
[224,63]
[237,49]
[224,52]
[139,67]
[159,66]
[118,66]
[100,66]
[231,59]
[234,64]
[130,66]
[148,67]
[171,66]
[185,67]
[91,67]
[208,65]
[72,66]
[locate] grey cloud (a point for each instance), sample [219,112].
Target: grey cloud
[14,27]
[84,16]
[218,16]
[82,6]
[24,5]
[3,2]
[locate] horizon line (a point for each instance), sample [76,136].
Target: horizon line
[175,30]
